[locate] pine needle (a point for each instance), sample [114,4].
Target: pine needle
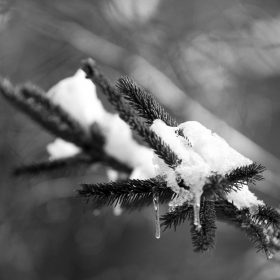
[143,102]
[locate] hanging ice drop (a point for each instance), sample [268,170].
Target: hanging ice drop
[196,211]
[156,207]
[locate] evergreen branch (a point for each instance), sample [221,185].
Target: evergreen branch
[256,232]
[218,186]
[265,238]
[31,100]
[60,166]
[129,116]
[257,235]
[266,217]
[176,217]
[136,193]
[181,213]
[161,149]
[68,166]
[204,239]
[143,102]
[249,173]
[37,96]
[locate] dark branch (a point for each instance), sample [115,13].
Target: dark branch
[256,232]
[204,239]
[176,217]
[143,102]
[249,174]
[32,101]
[135,193]
[129,115]
[60,166]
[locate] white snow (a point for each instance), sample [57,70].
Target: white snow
[214,150]
[244,198]
[77,96]
[121,145]
[62,149]
[202,153]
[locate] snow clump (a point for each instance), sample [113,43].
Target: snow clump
[203,153]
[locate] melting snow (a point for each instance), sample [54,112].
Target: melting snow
[202,153]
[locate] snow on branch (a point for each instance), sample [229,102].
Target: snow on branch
[33,101]
[187,166]
[207,171]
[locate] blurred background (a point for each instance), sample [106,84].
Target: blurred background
[216,62]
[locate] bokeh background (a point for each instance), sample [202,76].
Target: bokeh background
[217,62]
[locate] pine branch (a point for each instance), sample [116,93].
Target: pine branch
[129,115]
[266,217]
[32,101]
[262,229]
[249,174]
[69,166]
[259,238]
[256,232]
[204,239]
[136,193]
[143,102]
[181,213]
[60,166]
[176,217]
[37,96]
[219,186]
[161,149]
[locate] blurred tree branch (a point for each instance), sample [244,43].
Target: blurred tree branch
[156,82]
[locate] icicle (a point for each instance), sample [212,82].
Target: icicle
[196,212]
[156,207]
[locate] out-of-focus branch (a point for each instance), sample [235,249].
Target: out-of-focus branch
[160,85]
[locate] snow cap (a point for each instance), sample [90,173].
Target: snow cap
[202,153]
